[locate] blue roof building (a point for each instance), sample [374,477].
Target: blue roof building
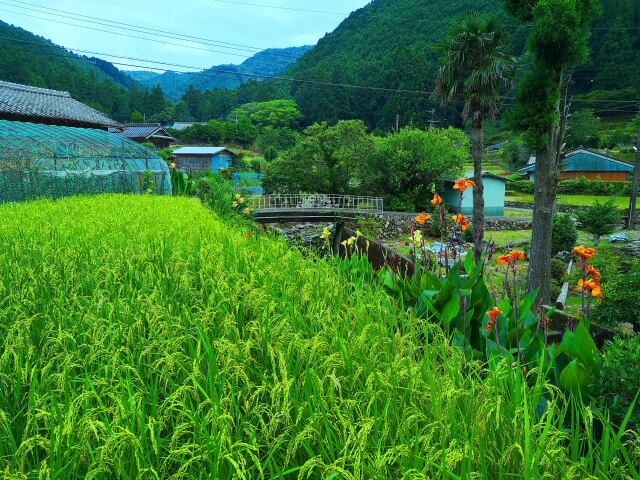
[583,163]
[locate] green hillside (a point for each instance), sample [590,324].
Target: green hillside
[33,60]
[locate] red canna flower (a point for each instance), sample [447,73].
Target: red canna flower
[593,271]
[493,315]
[461,220]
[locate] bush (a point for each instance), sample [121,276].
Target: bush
[565,234]
[621,284]
[558,269]
[270,154]
[580,186]
[556,288]
[620,378]
[600,219]
[217,193]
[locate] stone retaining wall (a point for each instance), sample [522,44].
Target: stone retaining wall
[568,209]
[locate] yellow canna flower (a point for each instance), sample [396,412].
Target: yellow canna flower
[234,204]
[351,241]
[358,233]
[326,233]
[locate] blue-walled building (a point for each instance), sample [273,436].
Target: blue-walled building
[203,159]
[494,196]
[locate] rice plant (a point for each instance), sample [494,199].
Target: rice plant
[144,338]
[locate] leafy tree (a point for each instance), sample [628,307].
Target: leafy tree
[516,153]
[565,234]
[275,113]
[278,138]
[475,66]
[558,42]
[583,129]
[137,117]
[600,219]
[408,164]
[325,160]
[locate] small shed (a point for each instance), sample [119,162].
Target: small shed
[203,159]
[146,133]
[494,196]
[583,163]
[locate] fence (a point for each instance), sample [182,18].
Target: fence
[317,202]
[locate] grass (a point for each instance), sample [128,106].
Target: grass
[143,338]
[579,200]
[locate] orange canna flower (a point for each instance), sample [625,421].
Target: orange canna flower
[597,292]
[504,259]
[422,218]
[461,220]
[584,252]
[437,200]
[593,271]
[493,316]
[589,285]
[462,184]
[517,255]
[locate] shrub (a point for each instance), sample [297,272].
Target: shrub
[600,219]
[270,154]
[621,284]
[558,269]
[217,193]
[565,234]
[620,378]
[556,288]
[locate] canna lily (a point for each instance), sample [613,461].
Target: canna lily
[326,233]
[247,211]
[584,252]
[437,200]
[238,196]
[417,238]
[511,258]
[593,271]
[172,165]
[463,184]
[493,315]
[358,234]
[351,241]
[461,220]
[422,218]
[234,204]
[590,286]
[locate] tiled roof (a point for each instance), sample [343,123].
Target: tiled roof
[40,105]
[202,151]
[142,130]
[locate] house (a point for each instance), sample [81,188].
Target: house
[494,196]
[51,107]
[201,159]
[146,133]
[54,146]
[583,163]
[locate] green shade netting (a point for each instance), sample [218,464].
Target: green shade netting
[52,161]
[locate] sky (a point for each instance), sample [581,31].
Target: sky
[245,26]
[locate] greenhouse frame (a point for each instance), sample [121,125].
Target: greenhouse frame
[55,161]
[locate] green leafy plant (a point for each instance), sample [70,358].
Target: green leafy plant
[619,379]
[564,235]
[600,219]
[181,184]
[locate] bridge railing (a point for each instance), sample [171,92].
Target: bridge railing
[317,202]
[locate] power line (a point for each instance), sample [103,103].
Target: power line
[205,72]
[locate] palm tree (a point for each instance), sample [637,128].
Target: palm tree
[475,67]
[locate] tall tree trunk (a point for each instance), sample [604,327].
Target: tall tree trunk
[544,204]
[477,142]
[631,221]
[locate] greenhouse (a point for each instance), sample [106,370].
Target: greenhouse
[54,161]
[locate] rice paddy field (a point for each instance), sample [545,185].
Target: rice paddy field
[144,338]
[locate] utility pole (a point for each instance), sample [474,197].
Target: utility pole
[397,122]
[433,120]
[631,223]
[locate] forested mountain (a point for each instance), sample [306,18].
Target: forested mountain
[32,60]
[269,62]
[390,44]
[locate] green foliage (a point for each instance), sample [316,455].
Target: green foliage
[619,384]
[621,284]
[216,132]
[136,117]
[413,161]
[270,154]
[600,219]
[558,269]
[577,362]
[584,129]
[325,160]
[564,235]
[274,113]
[181,185]
[217,193]
[278,138]
[515,153]
[191,330]
[148,182]
[580,186]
